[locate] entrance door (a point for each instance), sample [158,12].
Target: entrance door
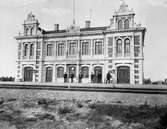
[98,74]
[28,74]
[123,74]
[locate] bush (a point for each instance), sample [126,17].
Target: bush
[163,122]
[65,109]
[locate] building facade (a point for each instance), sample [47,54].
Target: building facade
[44,56]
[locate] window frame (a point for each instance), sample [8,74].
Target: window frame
[72,48]
[98,47]
[49,50]
[60,49]
[85,48]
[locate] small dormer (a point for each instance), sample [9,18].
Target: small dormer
[31,25]
[123,18]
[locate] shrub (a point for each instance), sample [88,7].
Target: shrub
[65,109]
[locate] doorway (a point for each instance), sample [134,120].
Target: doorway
[123,74]
[98,74]
[28,74]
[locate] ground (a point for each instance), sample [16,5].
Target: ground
[26,113]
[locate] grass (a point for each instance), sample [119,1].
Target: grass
[80,114]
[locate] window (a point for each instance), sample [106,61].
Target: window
[49,50]
[136,71]
[60,49]
[85,48]
[136,51]
[26,50]
[120,25]
[136,66]
[127,46]
[85,72]
[136,77]
[136,61]
[126,24]
[119,46]
[72,50]
[60,72]
[32,50]
[26,32]
[98,48]
[49,73]
[31,31]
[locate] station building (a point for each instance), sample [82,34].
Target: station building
[44,56]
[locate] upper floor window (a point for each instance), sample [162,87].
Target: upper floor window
[26,50]
[32,50]
[72,49]
[127,46]
[60,72]
[120,25]
[126,24]
[31,31]
[49,50]
[98,48]
[26,31]
[85,48]
[60,49]
[119,46]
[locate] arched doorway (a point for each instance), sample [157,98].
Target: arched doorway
[28,74]
[123,74]
[98,74]
[49,74]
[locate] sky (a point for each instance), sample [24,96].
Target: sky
[152,14]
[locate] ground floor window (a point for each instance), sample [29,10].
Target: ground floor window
[49,74]
[60,72]
[85,72]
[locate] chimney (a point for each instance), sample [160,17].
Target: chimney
[87,24]
[56,27]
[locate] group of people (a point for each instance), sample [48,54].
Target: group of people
[95,78]
[72,77]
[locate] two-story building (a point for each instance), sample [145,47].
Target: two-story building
[44,56]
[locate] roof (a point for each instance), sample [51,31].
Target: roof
[81,30]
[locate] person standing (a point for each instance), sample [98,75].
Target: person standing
[72,77]
[65,77]
[108,78]
[80,77]
[92,77]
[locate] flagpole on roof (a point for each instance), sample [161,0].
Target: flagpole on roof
[73,12]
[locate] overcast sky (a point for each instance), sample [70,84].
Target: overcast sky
[150,13]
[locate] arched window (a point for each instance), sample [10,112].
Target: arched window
[49,74]
[26,31]
[119,46]
[32,50]
[31,31]
[60,72]
[127,46]
[26,50]
[120,25]
[126,24]
[85,72]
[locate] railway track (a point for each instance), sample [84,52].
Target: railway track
[85,88]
